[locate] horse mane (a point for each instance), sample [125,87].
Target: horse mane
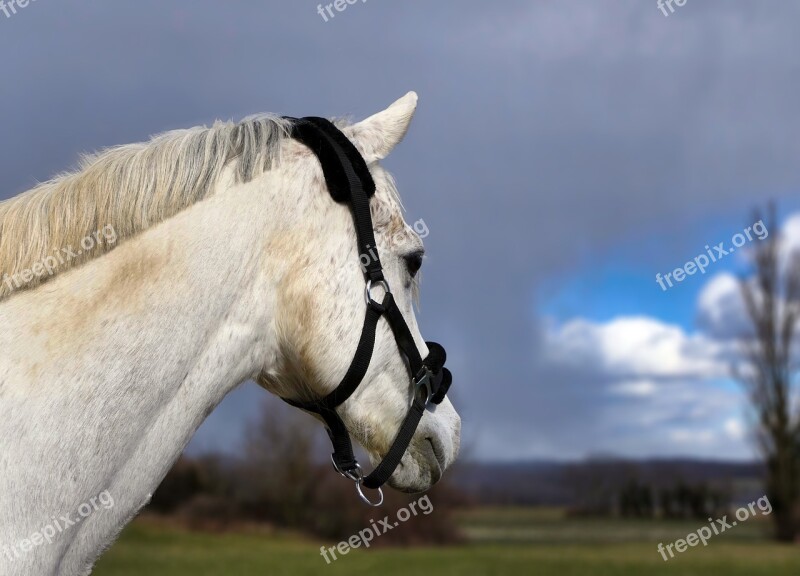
[128,188]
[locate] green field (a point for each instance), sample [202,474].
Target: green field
[513,542]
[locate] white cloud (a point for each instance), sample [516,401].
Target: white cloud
[635,388]
[635,347]
[690,437]
[735,428]
[721,312]
[721,287]
[791,233]
[654,388]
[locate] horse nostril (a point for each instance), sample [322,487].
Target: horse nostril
[435,450]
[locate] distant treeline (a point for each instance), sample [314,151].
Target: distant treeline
[280,481]
[640,500]
[612,486]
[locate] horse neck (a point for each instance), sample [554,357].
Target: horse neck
[111,368]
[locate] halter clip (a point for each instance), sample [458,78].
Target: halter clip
[356,474]
[423,382]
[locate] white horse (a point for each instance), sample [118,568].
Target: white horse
[140,290]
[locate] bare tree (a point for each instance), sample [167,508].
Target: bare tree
[772,299]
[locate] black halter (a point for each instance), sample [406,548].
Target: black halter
[349,181]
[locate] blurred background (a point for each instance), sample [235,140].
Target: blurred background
[569,159]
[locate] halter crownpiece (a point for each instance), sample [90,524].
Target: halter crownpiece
[349,182]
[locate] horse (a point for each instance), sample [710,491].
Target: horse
[139,290]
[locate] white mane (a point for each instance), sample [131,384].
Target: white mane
[129,189]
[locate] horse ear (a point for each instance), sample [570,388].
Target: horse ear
[377,136]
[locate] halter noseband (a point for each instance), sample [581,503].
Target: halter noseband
[349,181]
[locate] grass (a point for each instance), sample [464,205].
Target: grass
[551,526]
[517,541]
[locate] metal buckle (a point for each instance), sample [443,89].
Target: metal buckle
[420,382]
[368,291]
[357,476]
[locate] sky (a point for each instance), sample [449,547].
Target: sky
[563,154]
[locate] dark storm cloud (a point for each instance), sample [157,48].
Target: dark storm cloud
[548,133]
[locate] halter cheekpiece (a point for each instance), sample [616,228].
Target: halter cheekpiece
[349,182]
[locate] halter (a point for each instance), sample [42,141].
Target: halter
[349,182]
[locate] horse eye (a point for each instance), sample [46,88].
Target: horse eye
[414,262]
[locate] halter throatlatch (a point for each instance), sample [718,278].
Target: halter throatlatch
[349,181]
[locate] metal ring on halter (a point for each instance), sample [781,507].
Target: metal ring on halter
[425,382]
[368,292]
[367,500]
